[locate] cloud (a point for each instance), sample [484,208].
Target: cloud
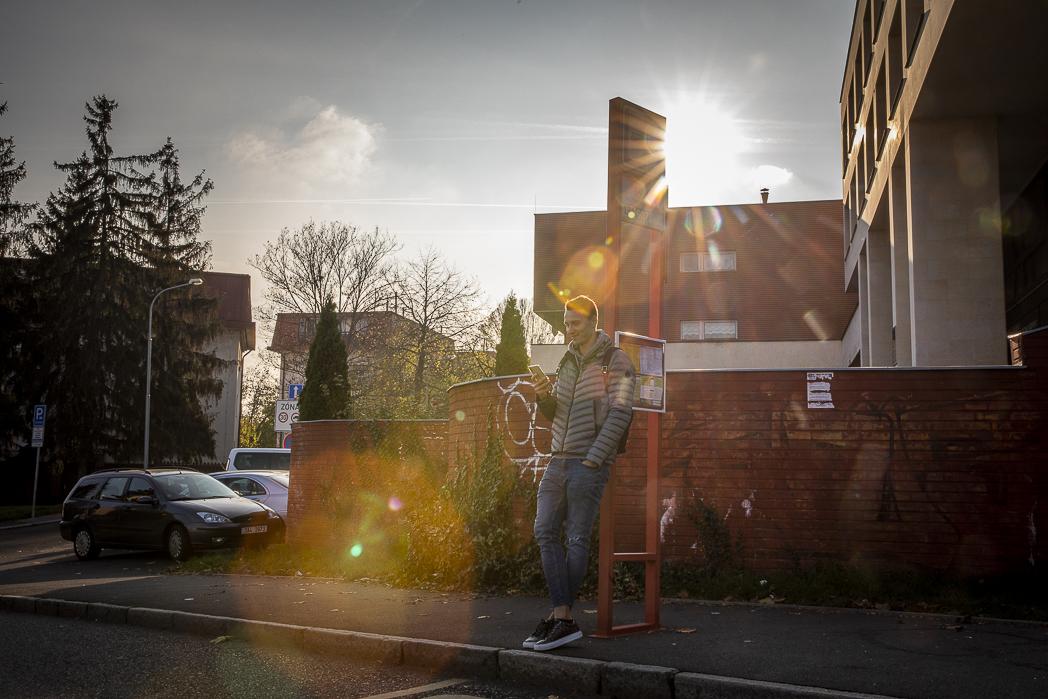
[330,151]
[770,176]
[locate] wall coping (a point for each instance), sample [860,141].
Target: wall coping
[1032,331]
[486,378]
[391,419]
[975,367]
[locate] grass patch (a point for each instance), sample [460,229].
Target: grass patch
[10,513]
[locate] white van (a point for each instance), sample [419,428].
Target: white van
[258,459]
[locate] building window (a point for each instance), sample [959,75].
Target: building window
[914,18]
[709,330]
[307,328]
[707,262]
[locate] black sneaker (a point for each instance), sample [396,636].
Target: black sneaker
[563,633]
[540,632]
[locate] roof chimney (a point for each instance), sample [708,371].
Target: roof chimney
[764,195]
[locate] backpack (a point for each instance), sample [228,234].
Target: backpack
[605,366]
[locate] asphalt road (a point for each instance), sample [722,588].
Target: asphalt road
[54,657]
[903,655]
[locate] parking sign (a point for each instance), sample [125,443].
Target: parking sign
[39,418]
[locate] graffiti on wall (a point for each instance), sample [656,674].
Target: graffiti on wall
[518,417]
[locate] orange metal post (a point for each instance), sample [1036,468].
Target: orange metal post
[619,169]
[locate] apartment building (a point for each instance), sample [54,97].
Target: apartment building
[744,286]
[944,143]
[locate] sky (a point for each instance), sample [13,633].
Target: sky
[446,123]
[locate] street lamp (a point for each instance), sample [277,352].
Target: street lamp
[195,281]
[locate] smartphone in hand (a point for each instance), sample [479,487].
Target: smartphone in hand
[537,374]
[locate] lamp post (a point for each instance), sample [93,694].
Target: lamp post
[195,281]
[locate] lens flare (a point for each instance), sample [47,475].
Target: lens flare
[593,271]
[395,504]
[356,550]
[815,324]
[715,255]
[657,191]
[703,221]
[460,415]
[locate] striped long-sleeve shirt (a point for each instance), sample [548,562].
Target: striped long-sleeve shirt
[587,421]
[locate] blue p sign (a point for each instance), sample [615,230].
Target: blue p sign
[39,415]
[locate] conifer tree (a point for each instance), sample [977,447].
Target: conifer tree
[325,395]
[13,287]
[511,352]
[13,214]
[110,238]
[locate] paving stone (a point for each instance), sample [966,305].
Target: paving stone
[19,603]
[267,633]
[111,613]
[354,644]
[581,674]
[71,609]
[150,618]
[458,658]
[202,624]
[625,680]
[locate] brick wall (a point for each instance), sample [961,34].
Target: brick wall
[326,457]
[942,469]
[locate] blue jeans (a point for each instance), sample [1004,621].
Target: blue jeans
[568,498]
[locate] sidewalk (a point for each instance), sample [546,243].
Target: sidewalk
[30,522]
[906,655]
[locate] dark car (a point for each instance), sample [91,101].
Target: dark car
[173,510]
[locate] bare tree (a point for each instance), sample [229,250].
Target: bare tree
[329,260]
[445,308]
[485,336]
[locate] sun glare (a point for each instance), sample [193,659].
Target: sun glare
[703,145]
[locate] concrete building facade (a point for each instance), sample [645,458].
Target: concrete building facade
[235,339]
[944,140]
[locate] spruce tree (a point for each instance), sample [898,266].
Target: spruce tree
[13,214]
[325,395]
[511,352]
[13,288]
[106,242]
[183,322]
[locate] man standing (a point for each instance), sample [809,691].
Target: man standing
[591,406]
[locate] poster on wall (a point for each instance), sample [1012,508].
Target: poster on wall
[648,355]
[819,389]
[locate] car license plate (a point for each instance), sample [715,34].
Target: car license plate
[260,529]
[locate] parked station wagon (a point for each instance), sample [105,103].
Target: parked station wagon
[176,511]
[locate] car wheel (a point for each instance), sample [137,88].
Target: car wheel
[84,545]
[177,543]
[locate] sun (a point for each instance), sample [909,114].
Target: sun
[703,146]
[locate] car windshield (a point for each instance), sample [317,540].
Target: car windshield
[262,461]
[192,486]
[281,478]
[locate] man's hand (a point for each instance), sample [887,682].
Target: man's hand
[589,464]
[543,387]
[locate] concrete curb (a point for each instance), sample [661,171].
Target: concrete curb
[23,523]
[611,679]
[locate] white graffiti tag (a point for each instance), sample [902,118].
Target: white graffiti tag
[527,455]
